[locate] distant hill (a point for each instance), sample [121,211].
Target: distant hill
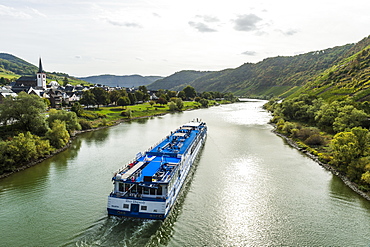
[121,81]
[278,76]
[178,80]
[272,76]
[13,65]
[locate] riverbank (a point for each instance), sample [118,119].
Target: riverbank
[335,172]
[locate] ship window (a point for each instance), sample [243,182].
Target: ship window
[126,206]
[120,187]
[146,191]
[144,207]
[134,189]
[152,191]
[159,191]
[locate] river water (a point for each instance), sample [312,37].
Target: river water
[248,188]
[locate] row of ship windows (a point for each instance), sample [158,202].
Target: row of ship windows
[138,189]
[127,206]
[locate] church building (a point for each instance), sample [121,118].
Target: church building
[38,81]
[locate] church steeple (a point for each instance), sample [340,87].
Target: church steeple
[41,77]
[40,67]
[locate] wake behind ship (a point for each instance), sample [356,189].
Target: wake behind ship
[148,187]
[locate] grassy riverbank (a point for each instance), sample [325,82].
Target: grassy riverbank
[111,115]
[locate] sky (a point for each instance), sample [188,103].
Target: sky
[161,37]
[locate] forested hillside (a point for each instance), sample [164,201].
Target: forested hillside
[277,76]
[178,80]
[121,81]
[12,64]
[348,77]
[272,76]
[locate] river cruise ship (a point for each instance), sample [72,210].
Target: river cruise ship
[148,186]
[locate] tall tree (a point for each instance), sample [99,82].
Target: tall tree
[58,134]
[70,119]
[101,96]
[25,113]
[88,98]
[189,92]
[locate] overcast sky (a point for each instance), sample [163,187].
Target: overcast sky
[161,37]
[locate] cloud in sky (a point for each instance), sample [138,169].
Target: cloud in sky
[169,36]
[247,22]
[201,27]
[249,53]
[123,24]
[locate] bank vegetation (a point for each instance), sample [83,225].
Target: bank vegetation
[336,132]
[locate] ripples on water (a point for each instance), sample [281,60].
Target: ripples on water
[116,231]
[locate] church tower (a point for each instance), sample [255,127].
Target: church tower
[41,77]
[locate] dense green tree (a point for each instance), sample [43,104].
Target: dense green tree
[114,96]
[160,92]
[297,108]
[344,149]
[326,115]
[139,95]
[132,98]
[204,103]
[182,95]
[179,104]
[172,106]
[144,90]
[23,148]
[88,98]
[58,134]
[162,101]
[190,92]
[25,112]
[207,95]
[366,177]
[77,108]
[101,96]
[172,94]
[70,119]
[349,151]
[363,140]
[123,101]
[3,81]
[348,117]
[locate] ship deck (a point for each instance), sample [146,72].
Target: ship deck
[157,164]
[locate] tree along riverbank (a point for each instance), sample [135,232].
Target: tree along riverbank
[328,167]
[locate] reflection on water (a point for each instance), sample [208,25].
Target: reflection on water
[96,137]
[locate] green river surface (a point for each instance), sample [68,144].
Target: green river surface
[247,188]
